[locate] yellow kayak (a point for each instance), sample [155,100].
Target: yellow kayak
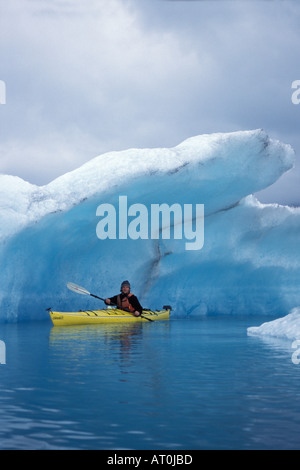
[94,317]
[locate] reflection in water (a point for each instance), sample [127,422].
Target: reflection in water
[109,341]
[114,361]
[80,335]
[184,384]
[78,341]
[275,345]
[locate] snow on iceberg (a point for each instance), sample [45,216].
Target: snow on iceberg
[249,262]
[287,327]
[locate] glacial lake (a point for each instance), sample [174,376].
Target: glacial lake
[185,384]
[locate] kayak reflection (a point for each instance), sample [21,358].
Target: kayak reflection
[101,341]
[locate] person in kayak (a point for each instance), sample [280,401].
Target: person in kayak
[126,300]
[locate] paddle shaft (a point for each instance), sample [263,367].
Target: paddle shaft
[96,297]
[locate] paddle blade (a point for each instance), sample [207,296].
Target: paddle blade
[77,289]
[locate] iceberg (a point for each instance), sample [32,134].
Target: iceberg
[287,327]
[249,262]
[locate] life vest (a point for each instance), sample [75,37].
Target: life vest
[124,303]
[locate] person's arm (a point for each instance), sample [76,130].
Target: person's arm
[112,300]
[136,304]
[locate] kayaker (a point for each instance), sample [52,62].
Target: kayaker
[126,300]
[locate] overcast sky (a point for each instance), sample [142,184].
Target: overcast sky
[86,77]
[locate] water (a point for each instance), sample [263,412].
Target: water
[178,385]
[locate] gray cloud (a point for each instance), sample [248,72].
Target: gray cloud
[84,79]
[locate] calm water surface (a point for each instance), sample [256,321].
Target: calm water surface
[178,385]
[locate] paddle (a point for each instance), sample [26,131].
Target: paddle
[83,291]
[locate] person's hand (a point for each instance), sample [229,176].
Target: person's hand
[107,301]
